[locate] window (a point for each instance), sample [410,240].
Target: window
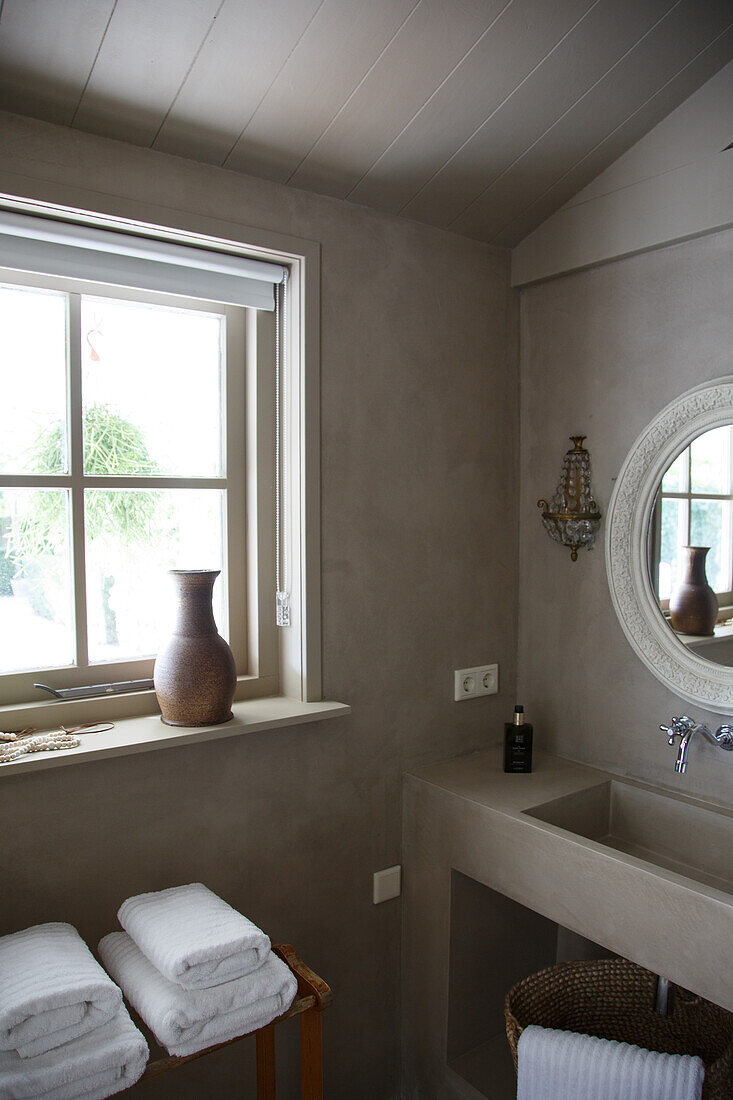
[142,438]
[123,458]
[695,508]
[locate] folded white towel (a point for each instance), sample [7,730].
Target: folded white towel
[52,989]
[561,1065]
[192,936]
[187,1020]
[101,1063]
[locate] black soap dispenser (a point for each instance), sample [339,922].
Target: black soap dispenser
[518,743]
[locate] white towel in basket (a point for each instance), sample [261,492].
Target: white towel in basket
[187,1020]
[192,936]
[101,1063]
[52,989]
[561,1065]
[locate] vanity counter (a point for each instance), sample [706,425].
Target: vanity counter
[467,828]
[480,777]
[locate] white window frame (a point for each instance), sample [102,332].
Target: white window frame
[17,687]
[278,661]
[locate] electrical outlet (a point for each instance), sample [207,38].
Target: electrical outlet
[464,683]
[470,682]
[487,680]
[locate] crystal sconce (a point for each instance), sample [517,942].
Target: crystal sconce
[572,518]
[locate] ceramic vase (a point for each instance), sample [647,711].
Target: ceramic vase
[195,675]
[693,606]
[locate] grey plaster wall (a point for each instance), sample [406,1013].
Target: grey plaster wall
[419,507]
[603,351]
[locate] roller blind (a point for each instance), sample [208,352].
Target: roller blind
[50,247]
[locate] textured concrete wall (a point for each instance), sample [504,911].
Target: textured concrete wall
[602,352]
[419,504]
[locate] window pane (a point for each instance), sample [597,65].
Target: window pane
[36,616]
[674,535]
[152,385]
[133,537]
[711,463]
[675,479]
[706,529]
[33,358]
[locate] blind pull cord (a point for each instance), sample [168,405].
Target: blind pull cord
[282,596]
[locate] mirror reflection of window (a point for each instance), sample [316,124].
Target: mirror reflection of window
[695,508]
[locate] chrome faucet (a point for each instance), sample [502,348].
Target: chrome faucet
[685,728]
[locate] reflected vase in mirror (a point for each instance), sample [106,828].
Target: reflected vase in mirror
[195,674]
[693,606]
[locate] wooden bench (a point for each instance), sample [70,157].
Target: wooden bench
[312,997]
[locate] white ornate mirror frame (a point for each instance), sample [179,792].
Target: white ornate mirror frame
[682,671]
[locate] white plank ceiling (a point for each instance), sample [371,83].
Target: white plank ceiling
[479,116]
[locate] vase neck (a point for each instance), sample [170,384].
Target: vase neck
[696,556]
[195,613]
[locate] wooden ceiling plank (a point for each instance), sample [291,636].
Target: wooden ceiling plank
[243,53]
[431,43]
[144,58]
[518,41]
[657,60]
[46,54]
[338,48]
[698,127]
[705,66]
[609,30]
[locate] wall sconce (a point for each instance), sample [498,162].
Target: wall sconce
[573,518]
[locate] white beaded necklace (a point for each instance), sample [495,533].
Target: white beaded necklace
[42,742]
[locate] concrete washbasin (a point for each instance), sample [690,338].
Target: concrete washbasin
[667,830]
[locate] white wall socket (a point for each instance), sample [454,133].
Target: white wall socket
[471,682]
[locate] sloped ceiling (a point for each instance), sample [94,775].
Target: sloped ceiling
[480,116]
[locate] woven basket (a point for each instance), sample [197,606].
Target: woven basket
[614,999]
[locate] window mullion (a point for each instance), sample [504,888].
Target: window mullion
[76,447]
[234,452]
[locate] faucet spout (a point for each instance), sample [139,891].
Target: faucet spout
[681,761]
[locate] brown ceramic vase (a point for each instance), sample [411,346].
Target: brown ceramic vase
[195,675]
[693,606]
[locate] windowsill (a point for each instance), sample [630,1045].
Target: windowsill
[146,733]
[723,632]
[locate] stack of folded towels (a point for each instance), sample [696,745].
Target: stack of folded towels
[196,970]
[64,1032]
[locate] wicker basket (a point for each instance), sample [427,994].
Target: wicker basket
[614,999]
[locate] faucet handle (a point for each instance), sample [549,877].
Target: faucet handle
[681,725]
[724,736]
[670,731]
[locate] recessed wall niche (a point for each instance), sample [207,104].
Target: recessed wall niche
[494,942]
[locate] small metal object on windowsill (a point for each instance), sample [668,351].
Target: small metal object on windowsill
[96,691]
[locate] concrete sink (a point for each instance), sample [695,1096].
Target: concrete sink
[667,830]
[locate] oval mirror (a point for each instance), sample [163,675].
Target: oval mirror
[673,498]
[690,545]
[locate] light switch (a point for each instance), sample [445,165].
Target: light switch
[387,884]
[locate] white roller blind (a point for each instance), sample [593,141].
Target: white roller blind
[60,248]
